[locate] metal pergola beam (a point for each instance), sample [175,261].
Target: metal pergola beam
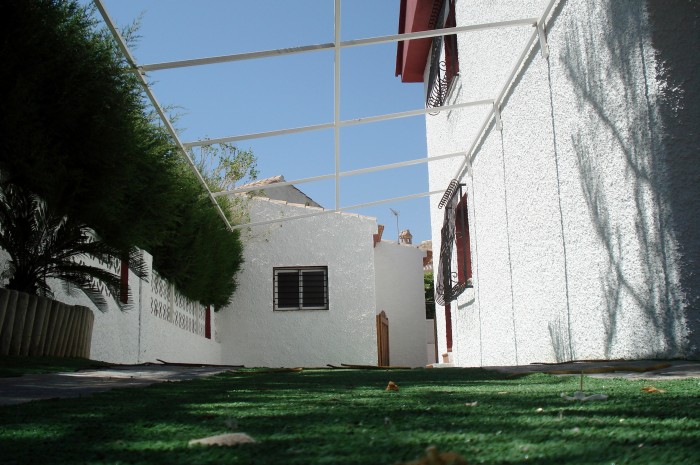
[336,102]
[324,177]
[336,44]
[337,123]
[164,118]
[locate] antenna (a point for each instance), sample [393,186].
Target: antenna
[398,234]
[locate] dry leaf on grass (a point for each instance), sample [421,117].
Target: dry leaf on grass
[580,395]
[433,457]
[653,390]
[232,439]
[392,386]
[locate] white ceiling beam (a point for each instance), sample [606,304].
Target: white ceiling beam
[336,102]
[421,111]
[327,46]
[258,135]
[343,123]
[324,177]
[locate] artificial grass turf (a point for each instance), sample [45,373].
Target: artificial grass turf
[346,417]
[11,366]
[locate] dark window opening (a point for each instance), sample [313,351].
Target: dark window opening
[443,72]
[464,256]
[301,288]
[455,232]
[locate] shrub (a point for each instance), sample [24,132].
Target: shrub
[75,130]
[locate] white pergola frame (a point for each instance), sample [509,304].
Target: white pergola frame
[337,45]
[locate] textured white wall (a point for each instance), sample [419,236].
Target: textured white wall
[429,329]
[255,335]
[115,334]
[163,340]
[570,254]
[135,335]
[400,293]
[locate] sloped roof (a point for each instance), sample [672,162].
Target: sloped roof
[288,193]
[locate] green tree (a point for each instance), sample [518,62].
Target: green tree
[76,130]
[201,250]
[75,127]
[224,166]
[429,288]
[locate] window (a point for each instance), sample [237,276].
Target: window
[442,73]
[455,232]
[301,288]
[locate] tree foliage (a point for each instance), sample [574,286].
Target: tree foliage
[76,130]
[223,165]
[429,288]
[43,245]
[200,255]
[200,250]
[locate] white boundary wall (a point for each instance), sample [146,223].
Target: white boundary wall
[400,294]
[256,335]
[572,254]
[148,328]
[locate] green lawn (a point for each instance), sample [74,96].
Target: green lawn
[346,417]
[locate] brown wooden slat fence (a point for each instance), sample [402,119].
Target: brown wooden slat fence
[32,325]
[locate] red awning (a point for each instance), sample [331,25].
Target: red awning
[411,55]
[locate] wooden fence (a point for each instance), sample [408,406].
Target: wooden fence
[37,326]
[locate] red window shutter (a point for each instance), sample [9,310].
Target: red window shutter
[207,322]
[124,283]
[448,326]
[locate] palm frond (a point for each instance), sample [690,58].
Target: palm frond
[44,245]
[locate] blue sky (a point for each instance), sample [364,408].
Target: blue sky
[289,91]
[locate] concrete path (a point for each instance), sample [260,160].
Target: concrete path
[628,369]
[81,383]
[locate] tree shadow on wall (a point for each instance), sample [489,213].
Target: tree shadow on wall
[559,338]
[675,37]
[641,275]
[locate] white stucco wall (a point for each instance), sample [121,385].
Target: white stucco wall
[134,334]
[400,294]
[253,334]
[115,334]
[429,330]
[165,340]
[571,255]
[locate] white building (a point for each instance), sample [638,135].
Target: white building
[578,223]
[309,290]
[309,294]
